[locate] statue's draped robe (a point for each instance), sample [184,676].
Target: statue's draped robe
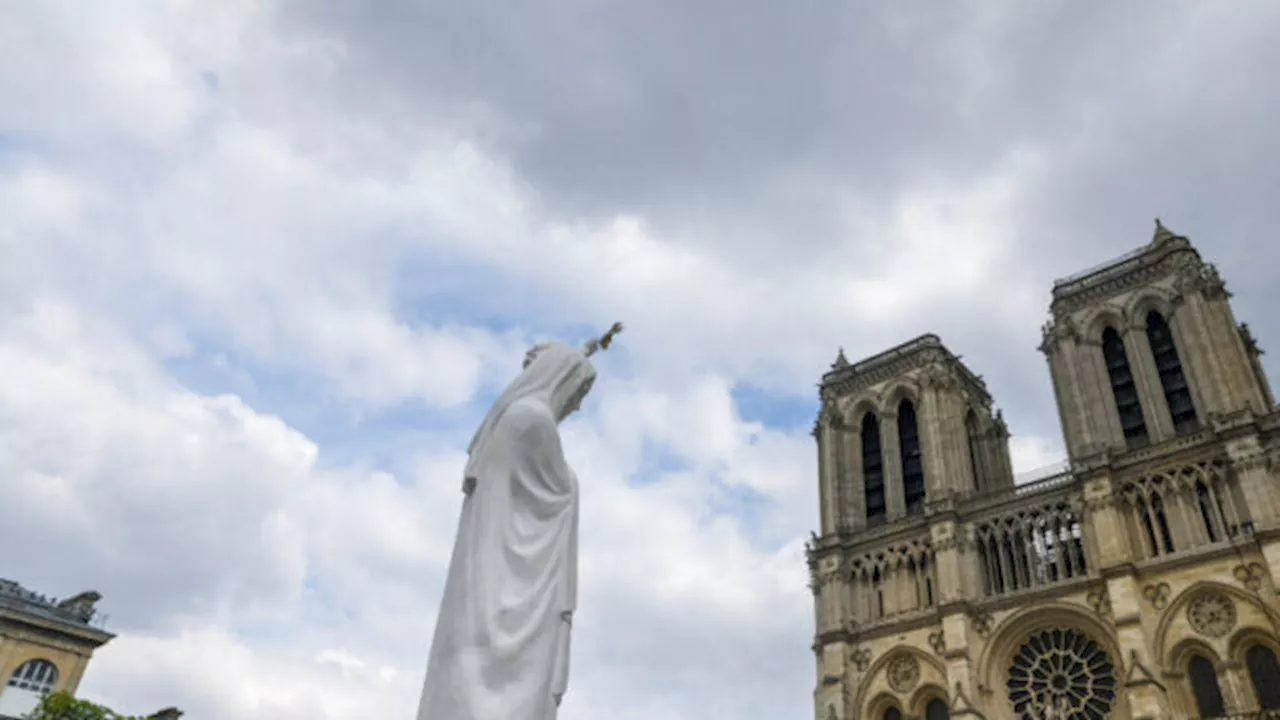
[501,645]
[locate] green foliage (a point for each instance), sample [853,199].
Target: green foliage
[61,706]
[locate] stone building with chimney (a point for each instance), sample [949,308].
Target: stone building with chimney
[45,646]
[1137,581]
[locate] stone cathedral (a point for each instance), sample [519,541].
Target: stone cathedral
[1138,581]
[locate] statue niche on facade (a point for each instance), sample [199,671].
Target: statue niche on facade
[501,644]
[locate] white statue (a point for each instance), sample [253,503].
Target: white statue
[501,645]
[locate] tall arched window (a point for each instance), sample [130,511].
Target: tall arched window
[1204,685]
[912,467]
[1265,673]
[1124,389]
[37,676]
[1176,392]
[971,430]
[936,710]
[872,469]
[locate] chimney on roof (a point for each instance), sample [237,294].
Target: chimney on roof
[81,606]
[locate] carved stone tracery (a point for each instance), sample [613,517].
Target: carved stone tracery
[1061,673]
[903,672]
[1211,614]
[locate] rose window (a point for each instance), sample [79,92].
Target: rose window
[1061,673]
[1212,614]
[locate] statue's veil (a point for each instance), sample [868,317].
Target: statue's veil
[553,372]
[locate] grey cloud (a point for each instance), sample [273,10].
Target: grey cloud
[742,127]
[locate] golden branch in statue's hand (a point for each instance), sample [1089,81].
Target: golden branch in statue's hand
[608,337]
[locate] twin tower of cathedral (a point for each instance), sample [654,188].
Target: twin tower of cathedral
[1139,581]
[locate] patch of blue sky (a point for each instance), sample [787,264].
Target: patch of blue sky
[656,461]
[345,433]
[450,289]
[16,149]
[750,507]
[774,410]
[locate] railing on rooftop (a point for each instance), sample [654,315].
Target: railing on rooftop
[1114,262]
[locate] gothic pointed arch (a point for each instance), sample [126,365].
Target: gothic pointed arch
[929,671]
[1170,650]
[1203,679]
[873,470]
[1007,661]
[1190,671]
[913,486]
[926,700]
[1258,651]
[1124,388]
[1173,381]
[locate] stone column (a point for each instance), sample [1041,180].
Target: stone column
[1102,407]
[1104,525]
[1235,693]
[956,457]
[1143,364]
[930,426]
[1249,468]
[1203,357]
[953,644]
[1142,380]
[1232,355]
[827,497]
[855,496]
[1184,342]
[1146,696]
[891,455]
[840,480]
[947,539]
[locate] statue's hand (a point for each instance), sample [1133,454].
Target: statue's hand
[558,697]
[468,485]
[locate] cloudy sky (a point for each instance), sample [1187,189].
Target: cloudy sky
[263,265]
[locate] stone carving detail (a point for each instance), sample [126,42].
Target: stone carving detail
[1200,278]
[1250,343]
[938,641]
[1157,595]
[1055,331]
[982,623]
[1212,614]
[1249,575]
[1100,601]
[903,673]
[861,659]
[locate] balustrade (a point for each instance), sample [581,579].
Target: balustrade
[1029,546]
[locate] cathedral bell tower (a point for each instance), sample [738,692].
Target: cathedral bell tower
[1146,349]
[901,429]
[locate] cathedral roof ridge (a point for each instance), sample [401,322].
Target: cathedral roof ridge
[927,340]
[1163,243]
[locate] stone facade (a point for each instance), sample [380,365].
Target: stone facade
[1137,582]
[45,645]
